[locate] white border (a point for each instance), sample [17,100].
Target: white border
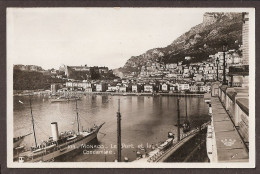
[250,164]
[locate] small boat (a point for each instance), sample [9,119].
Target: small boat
[64,99]
[156,151]
[18,140]
[19,147]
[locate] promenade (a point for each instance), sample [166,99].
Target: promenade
[227,145]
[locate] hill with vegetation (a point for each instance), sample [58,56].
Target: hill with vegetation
[26,80]
[199,42]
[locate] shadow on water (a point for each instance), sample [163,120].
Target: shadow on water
[91,146]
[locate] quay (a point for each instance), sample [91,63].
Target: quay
[227,144]
[164,155]
[227,135]
[175,148]
[177,94]
[144,94]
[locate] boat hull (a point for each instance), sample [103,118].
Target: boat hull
[17,143]
[69,147]
[63,100]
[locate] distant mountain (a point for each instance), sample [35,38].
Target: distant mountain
[199,42]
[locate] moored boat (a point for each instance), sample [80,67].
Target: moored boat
[18,140]
[64,99]
[58,144]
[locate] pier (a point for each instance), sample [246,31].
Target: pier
[227,135]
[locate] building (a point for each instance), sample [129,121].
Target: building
[89,89]
[245,38]
[183,87]
[101,87]
[136,88]
[198,77]
[194,88]
[112,88]
[122,89]
[148,88]
[69,69]
[238,75]
[187,58]
[165,87]
[53,88]
[202,88]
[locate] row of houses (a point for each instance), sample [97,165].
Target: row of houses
[138,87]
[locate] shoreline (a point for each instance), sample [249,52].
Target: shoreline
[179,94]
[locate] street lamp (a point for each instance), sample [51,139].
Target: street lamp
[217,62]
[224,65]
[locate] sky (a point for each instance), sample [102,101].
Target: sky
[50,37]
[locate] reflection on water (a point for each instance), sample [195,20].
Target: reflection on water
[145,120]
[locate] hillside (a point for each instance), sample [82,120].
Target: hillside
[199,42]
[24,80]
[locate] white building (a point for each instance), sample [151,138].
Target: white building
[112,88]
[148,88]
[183,87]
[88,89]
[164,87]
[122,89]
[100,87]
[135,88]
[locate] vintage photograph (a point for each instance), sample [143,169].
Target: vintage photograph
[130,87]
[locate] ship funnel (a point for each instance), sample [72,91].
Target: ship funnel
[54,130]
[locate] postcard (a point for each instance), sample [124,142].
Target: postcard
[130,87]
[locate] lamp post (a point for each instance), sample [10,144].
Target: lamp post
[217,62]
[224,65]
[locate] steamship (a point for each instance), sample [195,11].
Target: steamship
[59,143]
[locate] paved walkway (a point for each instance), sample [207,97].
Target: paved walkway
[229,146]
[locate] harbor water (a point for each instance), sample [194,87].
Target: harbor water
[146,121]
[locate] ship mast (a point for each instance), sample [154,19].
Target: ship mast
[186,105]
[33,124]
[118,133]
[77,114]
[178,121]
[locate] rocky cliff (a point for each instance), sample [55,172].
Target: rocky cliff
[201,41]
